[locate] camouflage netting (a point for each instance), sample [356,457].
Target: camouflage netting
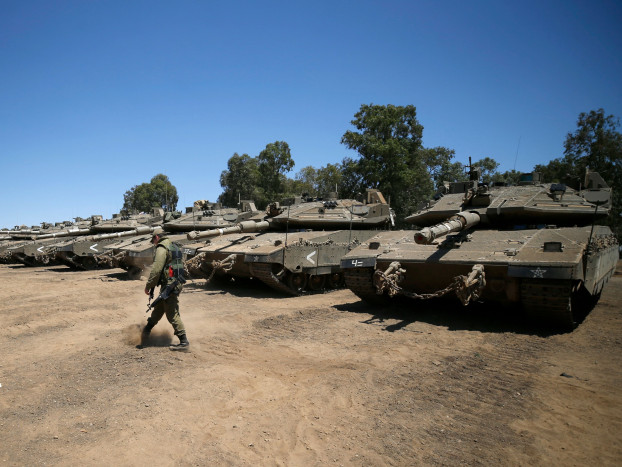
[602,242]
[201,204]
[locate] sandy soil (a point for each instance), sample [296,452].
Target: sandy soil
[316,380]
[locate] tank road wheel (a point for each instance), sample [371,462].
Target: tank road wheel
[335,280]
[297,282]
[316,282]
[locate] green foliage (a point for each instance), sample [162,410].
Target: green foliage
[305,180]
[240,180]
[328,179]
[273,162]
[489,168]
[159,192]
[511,177]
[261,179]
[596,144]
[440,166]
[392,159]
[318,182]
[558,170]
[352,184]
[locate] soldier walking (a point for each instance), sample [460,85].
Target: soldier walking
[167,272]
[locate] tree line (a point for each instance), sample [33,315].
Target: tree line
[391,157]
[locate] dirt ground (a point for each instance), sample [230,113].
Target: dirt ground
[315,380]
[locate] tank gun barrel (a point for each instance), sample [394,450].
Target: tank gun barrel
[16,234]
[64,233]
[461,221]
[245,226]
[142,230]
[21,231]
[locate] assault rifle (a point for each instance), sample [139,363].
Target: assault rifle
[166,292]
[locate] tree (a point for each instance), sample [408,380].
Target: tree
[273,163]
[240,180]
[389,143]
[159,192]
[440,166]
[352,184]
[596,144]
[306,180]
[319,182]
[511,177]
[328,179]
[489,168]
[558,170]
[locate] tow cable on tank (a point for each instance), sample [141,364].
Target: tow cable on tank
[467,288]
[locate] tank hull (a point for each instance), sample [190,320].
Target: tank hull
[34,253]
[83,254]
[525,267]
[290,263]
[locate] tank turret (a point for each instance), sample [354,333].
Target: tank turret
[120,222]
[204,215]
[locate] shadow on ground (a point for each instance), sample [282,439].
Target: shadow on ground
[450,314]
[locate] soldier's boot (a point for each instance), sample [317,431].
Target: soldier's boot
[144,335]
[183,346]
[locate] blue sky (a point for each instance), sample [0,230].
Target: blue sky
[99,96]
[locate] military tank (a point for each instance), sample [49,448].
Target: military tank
[13,238]
[122,222]
[296,247]
[31,251]
[204,215]
[115,253]
[80,252]
[136,256]
[83,253]
[535,245]
[22,234]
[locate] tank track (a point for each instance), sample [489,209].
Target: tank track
[548,301]
[70,262]
[263,272]
[360,281]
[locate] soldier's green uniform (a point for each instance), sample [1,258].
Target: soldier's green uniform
[163,263]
